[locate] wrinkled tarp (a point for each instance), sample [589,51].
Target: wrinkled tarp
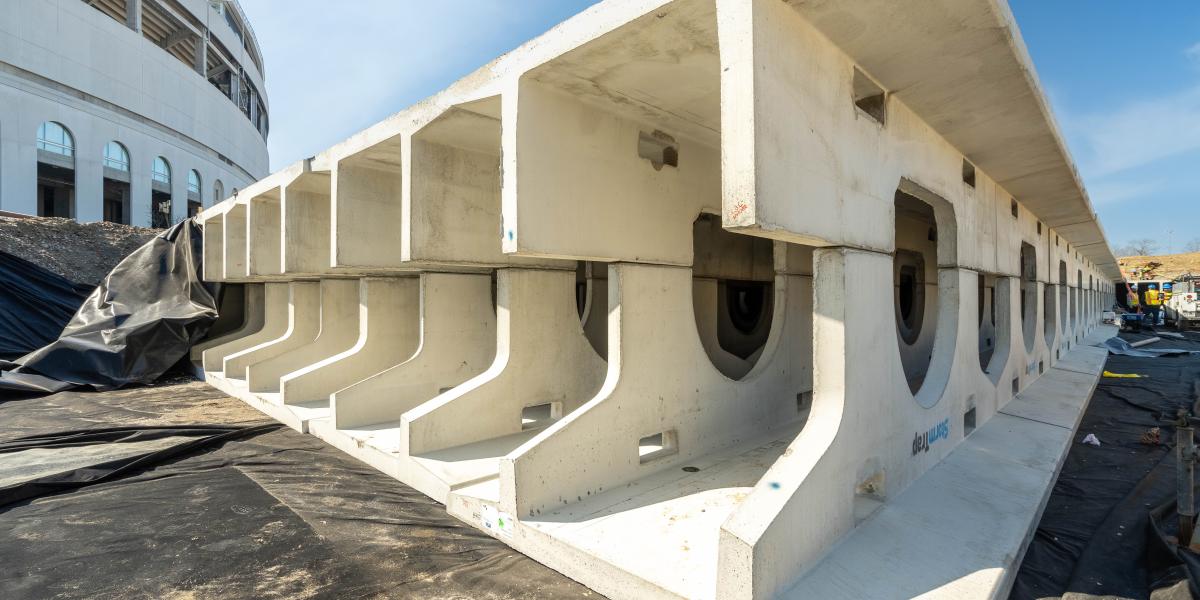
[260,514]
[35,305]
[139,322]
[1119,346]
[1109,524]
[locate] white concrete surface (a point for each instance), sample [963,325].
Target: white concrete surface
[812,317]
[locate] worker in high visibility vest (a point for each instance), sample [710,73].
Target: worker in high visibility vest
[1154,305]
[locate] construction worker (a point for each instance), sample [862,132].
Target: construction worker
[1154,304]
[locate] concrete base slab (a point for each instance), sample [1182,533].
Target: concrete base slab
[660,533]
[961,530]
[295,416]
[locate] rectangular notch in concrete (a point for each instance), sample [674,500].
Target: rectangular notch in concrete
[540,415]
[454,205]
[969,422]
[235,242]
[658,148]
[265,236]
[214,244]
[657,446]
[869,96]
[583,165]
[306,221]
[367,207]
[968,173]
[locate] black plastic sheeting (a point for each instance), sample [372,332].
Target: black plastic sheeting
[1108,528]
[247,511]
[1116,345]
[35,305]
[138,323]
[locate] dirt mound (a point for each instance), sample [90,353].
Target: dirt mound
[81,252]
[1163,266]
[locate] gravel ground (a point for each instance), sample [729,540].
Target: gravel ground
[83,253]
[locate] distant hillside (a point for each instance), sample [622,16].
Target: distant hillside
[1169,266]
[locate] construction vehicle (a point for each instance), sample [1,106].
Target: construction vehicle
[1183,304]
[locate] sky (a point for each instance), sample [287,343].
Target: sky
[1123,79]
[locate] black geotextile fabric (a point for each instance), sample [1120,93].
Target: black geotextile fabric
[139,322]
[35,305]
[261,514]
[1109,526]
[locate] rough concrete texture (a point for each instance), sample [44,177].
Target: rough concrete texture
[792,304]
[81,252]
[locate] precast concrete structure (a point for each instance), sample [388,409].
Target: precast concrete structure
[141,112]
[697,298]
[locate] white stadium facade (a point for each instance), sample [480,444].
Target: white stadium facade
[134,111]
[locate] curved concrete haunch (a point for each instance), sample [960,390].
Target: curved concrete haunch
[457,340]
[387,335]
[337,330]
[303,323]
[542,357]
[274,307]
[660,382]
[253,314]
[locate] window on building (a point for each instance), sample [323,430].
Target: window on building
[162,171]
[55,171]
[116,157]
[116,183]
[53,137]
[193,182]
[218,191]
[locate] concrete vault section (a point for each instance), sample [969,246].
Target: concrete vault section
[685,296]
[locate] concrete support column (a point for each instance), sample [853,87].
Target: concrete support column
[541,356]
[89,176]
[133,15]
[388,333]
[201,54]
[457,332]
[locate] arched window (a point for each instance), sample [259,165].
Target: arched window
[193,182]
[218,191]
[162,171]
[116,157]
[195,196]
[53,137]
[116,183]
[160,194]
[55,171]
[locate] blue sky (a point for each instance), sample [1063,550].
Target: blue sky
[1123,78]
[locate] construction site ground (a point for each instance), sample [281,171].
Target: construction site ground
[177,491]
[1110,522]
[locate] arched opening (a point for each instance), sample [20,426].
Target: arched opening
[55,171]
[195,198]
[160,193]
[1075,291]
[915,285]
[116,183]
[1064,291]
[1050,325]
[732,294]
[591,299]
[987,319]
[218,192]
[1029,297]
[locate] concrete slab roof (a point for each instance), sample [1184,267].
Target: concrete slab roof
[962,66]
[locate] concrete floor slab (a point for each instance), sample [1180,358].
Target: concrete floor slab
[961,529]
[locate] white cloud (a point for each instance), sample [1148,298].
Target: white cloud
[1193,52]
[1138,133]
